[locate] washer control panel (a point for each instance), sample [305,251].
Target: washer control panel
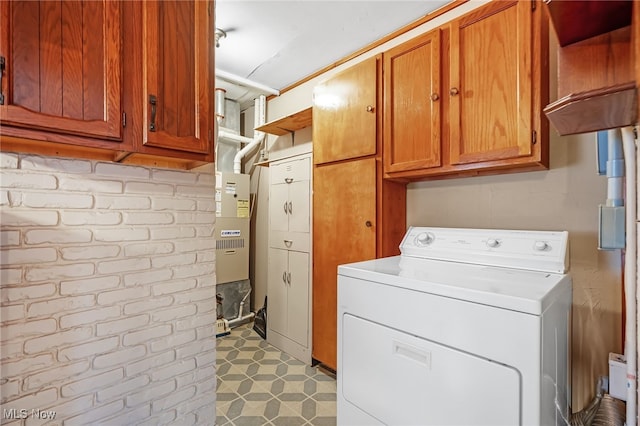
[535,250]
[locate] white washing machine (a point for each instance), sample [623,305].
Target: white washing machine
[465,327]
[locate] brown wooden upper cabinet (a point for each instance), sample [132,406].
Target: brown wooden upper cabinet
[177,67]
[597,65]
[467,97]
[345,114]
[61,67]
[413,105]
[111,80]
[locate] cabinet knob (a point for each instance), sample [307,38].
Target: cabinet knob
[288,180]
[434,97]
[369,108]
[454,91]
[368,224]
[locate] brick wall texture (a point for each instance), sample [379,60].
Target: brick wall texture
[107,293]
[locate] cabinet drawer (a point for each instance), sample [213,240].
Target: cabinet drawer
[298,241]
[290,171]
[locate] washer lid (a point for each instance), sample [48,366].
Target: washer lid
[534,250]
[518,290]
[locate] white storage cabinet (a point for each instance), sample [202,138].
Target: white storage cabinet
[289,277]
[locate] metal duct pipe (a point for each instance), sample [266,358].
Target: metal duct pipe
[220,95]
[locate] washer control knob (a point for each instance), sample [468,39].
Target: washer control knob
[541,246]
[424,239]
[492,242]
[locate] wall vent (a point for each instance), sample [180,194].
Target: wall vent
[229,244]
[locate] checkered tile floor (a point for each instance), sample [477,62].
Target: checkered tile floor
[260,385]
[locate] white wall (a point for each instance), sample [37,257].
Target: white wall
[107,292]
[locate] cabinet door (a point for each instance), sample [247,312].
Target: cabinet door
[412,104]
[344,231]
[298,298]
[491,83]
[277,289]
[62,66]
[178,73]
[279,207]
[299,219]
[345,114]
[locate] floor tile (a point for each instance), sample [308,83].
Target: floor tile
[260,385]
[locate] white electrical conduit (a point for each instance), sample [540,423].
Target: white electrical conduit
[232,137]
[630,279]
[615,169]
[241,318]
[258,137]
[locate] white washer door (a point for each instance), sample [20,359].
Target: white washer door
[403,380]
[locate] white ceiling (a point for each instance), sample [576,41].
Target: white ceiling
[278,43]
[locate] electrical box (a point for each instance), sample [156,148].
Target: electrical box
[617,376]
[611,230]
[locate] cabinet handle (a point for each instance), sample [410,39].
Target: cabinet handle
[153,101]
[285,207]
[288,180]
[369,108]
[2,66]
[290,209]
[434,97]
[289,278]
[288,243]
[368,224]
[454,91]
[284,277]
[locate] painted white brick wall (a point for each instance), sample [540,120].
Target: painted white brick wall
[107,293]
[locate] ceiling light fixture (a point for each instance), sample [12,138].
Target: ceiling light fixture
[219,34]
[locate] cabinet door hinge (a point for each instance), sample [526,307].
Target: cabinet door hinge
[2,66]
[534,137]
[124,119]
[533,4]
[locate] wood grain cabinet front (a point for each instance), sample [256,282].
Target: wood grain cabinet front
[61,69]
[466,98]
[177,70]
[111,80]
[357,215]
[413,104]
[345,113]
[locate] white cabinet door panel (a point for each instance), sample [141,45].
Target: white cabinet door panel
[299,219]
[299,297]
[277,288]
